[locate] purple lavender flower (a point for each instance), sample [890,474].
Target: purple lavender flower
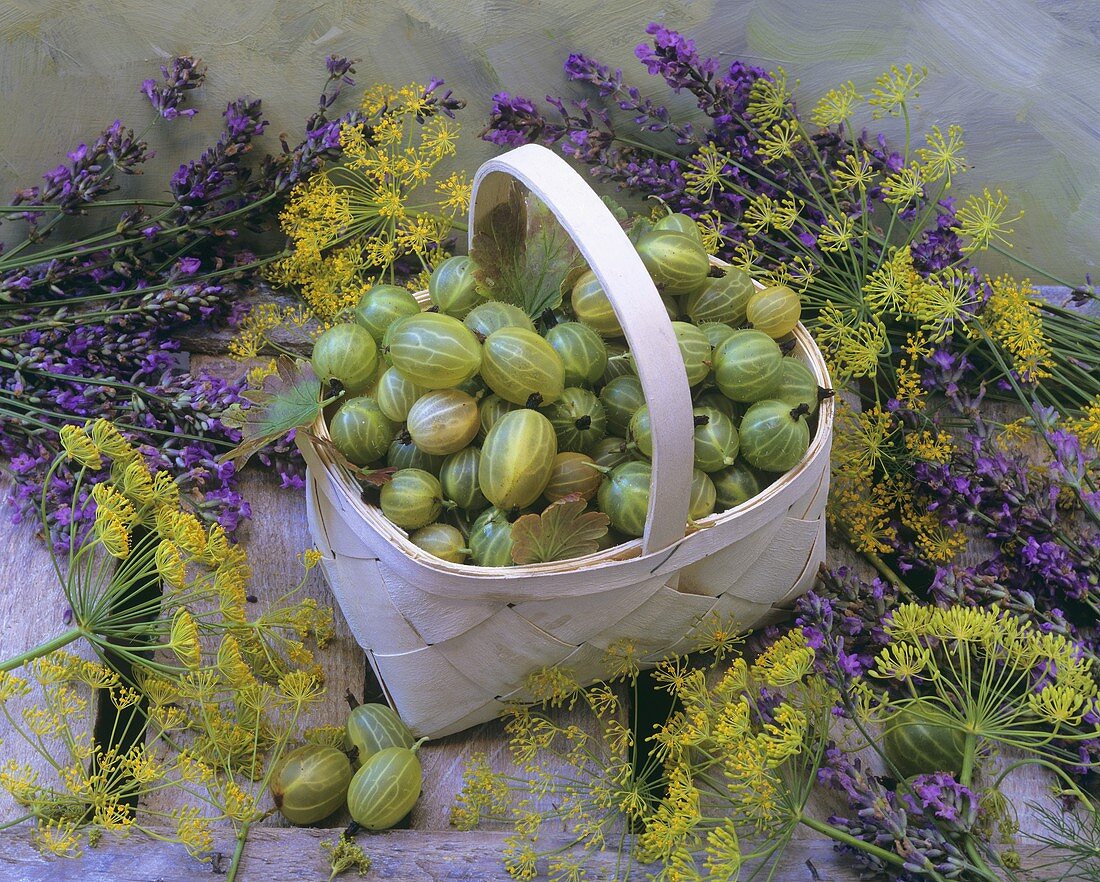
[181,75]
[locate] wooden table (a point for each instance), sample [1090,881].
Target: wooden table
[32,608]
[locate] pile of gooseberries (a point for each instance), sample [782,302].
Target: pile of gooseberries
[485,413]
[376,773]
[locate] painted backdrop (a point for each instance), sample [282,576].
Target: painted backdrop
[1022,76]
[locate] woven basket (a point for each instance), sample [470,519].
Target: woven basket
[451,644]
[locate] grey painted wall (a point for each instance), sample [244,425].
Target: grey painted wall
[1022,76]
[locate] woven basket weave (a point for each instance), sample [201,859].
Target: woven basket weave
[451,644]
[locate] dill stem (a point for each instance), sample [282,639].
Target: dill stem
[17,821]
[42,649]
[840,836]
[242,835]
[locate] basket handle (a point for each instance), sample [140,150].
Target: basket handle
[637,305]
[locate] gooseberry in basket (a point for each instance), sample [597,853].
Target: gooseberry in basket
[695,351]
[624,496]
[360,431]
[677,263]
[578,419]
[346,354]
[703,495]
[797,385]
[453,288]
[442,541]
[433,350]
[381,306]
[573,474]
[748,366]
[716,441]
[775,311]
[734,485]
[774,435]
[582,352]
[459,480]
[494,315]
[722,299]
[412,498]
[620,399]
[592,306]
[516,458]
[490,539]
[677,222]
[396,394]
[521,367]
[403,454]
[443,422]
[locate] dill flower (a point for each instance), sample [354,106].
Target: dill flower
[779,141]
[706,170]
[770,99]
[1014,322]
[942,155]
[836,106]
[895,89]
[981,220]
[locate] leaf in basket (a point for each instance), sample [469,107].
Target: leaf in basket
[371,477]
[564,530]
[290,399]
[639,228]
[521,254]
[616,208]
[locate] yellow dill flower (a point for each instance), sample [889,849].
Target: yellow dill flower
[193,831]
[111,501]
[723,851]
[851,346]
[12,686]
[710,225]
[930,446]
[894,89]
[346,854]
[170,565]
[108,440]
[836,233]
[1013,320]
[942,157]
[717,635]
[787,212]
[623,659]
[110,531]
[888,288]
[706,170]
[942,301]
[786,661]
[80,447]
[785,737]
[759,214]
[133,481]
[1087,426]
[981,220]
[300,688]
[184,639]
[779,141]
[770,99]
[232,665]
[835,106]
[903,186]
[865,515]
[188,533]
[58,838]
[853,173]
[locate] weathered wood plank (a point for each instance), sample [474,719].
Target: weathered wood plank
[407,855]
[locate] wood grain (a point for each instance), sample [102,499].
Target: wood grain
[405,855]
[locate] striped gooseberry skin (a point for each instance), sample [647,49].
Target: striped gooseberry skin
[797,385]
[572,473]
[734,485]
[493,315]
[516,459]
[442,541]
[775,311]
[459,480]
[680,223]
[453,288]
[624,496]
[403,454]
[675,261]
[724,299]
[640,432]
[620,363]
[578,419]
[695,350]
[716,440]
[310,783]
[490,539]
[916,745]
[714,398]
[703,495]
[396,394]
[433,350]
[672,306]
[412,498]
[491,409]
[374,727]
[773,437]
[716,333]
[592,307]
[748,366]
[582,352]
[360,430]
[381,306]
[610,451]
[519,365]
[620,399]
[443,422]
[385,788]
[347,354]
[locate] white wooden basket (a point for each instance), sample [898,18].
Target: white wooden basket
[451,644]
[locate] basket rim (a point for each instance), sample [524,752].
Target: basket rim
[349,488]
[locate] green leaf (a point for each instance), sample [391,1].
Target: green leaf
[290,399]
[563,531]
[522,253]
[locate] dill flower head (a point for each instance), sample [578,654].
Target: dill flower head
[1013,320]
[350,224]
